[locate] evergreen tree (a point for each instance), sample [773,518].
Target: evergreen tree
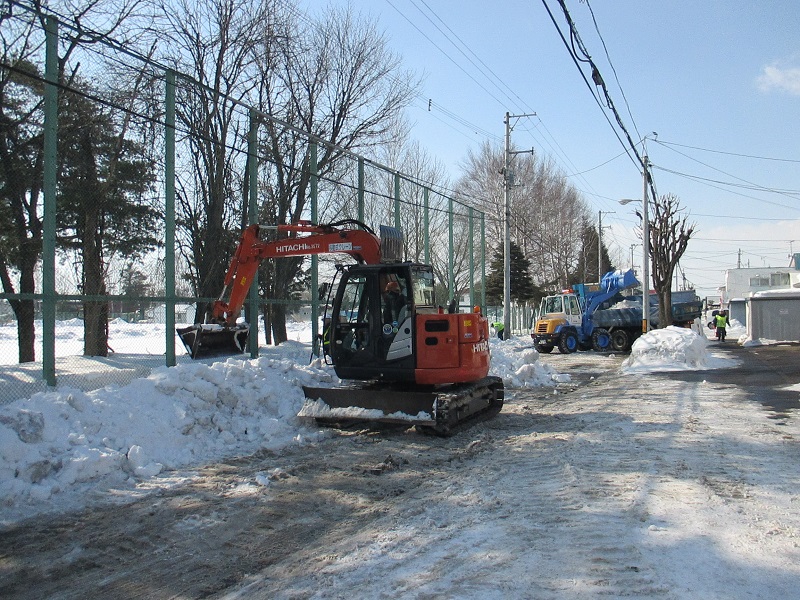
[586,269]
[105,203]
[522,287]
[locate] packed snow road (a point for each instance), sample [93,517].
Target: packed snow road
[654,485]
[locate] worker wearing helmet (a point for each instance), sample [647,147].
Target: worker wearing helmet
[500,328]
[393,302]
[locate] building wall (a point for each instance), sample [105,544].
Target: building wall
[774,317]
[743,283]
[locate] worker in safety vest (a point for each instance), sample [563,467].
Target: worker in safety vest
[500,328]
[326,336]
[721,322]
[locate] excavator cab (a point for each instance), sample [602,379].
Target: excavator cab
[372,335]
[422,365]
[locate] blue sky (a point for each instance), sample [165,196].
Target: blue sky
[718,81]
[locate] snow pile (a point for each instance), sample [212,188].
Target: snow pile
[517,363]
[55,446]
[736,331]
[672,349]
[57,449]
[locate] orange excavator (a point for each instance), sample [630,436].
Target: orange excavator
[414,361]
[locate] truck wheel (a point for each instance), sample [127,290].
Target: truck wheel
[620,340]
[542,348]
[568,342]
[601,340]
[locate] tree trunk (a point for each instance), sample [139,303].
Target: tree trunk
[24,310]
[95,313]
[285,271]
[27,236]
[279,323]
[266,312]
[664,307]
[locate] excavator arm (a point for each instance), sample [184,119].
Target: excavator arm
[221,335]
[361,244]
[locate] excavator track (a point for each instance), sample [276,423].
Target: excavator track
[440,410]
[464,404]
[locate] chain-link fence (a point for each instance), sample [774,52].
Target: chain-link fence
[112,188]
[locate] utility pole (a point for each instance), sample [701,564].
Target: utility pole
[507,183]
[632,261]
[600,244]
[646,244]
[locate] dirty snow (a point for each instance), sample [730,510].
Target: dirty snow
[62,449]
[67,449]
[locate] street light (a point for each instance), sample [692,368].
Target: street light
[646,247]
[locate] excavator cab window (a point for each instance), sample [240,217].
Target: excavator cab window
[423,285]
[353,327]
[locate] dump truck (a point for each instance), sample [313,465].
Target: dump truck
[407,359]
[598,317]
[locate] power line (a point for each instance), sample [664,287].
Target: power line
[790,160]
[751,185]
[440,49]
[711,182]
[481,66]
[611,64]
[740,218]
[576,59]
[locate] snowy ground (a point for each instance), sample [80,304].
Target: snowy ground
[58,449]
[642,483]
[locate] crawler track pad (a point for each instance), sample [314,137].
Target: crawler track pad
[441,410]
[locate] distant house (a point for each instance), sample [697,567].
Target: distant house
[744,283]
[184,314]
[765,299]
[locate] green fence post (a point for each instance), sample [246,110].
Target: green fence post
[471,262]
[252,219]
[314,258]
[426,224]
[483,263]
[169,215]
[397,200]
[49,184]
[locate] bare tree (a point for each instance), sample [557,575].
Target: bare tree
[21,150]
[547,213]
[669,236]
[215,41]
[333,81]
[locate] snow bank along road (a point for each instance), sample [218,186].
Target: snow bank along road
[669,485]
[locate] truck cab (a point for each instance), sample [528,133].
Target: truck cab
[558,323]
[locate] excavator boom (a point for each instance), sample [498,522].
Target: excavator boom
[221,335]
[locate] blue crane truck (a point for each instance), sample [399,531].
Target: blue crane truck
[592,316]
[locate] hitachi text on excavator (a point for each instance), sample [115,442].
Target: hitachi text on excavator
[406,359]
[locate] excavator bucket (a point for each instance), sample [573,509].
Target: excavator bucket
[204,341]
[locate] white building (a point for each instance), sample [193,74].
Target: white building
[743,283]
